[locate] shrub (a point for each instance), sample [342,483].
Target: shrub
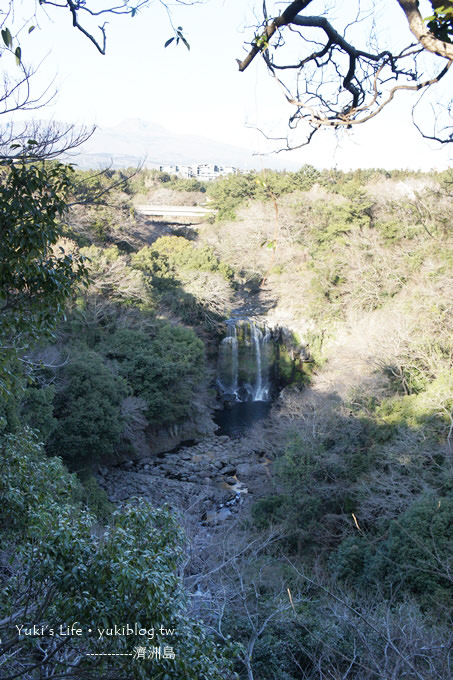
[269,510]
[163,368]
[413,554]
[175,253]
[37,410]
[87,410]
[229,193]
[418,551]
[192,184]
[59,571]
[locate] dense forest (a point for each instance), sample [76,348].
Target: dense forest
[341,566]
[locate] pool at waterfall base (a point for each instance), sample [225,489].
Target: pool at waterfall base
[234,420]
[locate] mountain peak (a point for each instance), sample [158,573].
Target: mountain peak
[134,141]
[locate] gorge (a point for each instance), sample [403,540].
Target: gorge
[317,521]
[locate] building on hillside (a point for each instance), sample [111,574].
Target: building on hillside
[204,172]
[169,169]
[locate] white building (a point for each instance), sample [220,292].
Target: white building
[205,172]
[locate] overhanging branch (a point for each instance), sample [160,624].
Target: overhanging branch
[263,39]
[418,27]
[338,84]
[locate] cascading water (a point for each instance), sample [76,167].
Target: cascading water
[245,361]
[227,365]
[261,346]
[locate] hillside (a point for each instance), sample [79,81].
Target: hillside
[134,142]
[318,543]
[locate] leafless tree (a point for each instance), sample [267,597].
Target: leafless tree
[245,584]
[36,140]
[332,80]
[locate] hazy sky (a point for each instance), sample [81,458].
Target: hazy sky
[201,91]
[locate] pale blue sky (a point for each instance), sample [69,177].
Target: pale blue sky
[201,91]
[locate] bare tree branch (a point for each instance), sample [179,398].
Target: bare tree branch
[336,83]
[283,20]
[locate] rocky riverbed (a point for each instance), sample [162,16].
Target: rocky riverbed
[213,479]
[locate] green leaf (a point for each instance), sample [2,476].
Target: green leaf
[182,38]
[185,42]
[7,37]
[32,28]
[169,41]
[18,53]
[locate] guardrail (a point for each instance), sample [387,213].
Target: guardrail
[174,210]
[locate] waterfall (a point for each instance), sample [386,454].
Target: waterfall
[227,368]
[261,344]
[245,361]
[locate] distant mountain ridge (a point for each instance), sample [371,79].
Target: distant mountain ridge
[135,141]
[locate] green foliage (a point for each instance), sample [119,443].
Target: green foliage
[413,555]
[171,254]
[93,497]
[330,222]
[37,410]
[269,510]
[290,368]
[164,368]
[88,184]
[29,480]
[441,23]
[305,178]
[10,404]
[349,561]
[393,232]
[278,652]
[186,279]
[419,549]
[36,277]
[306,472]
[145,179]
[192,184]
[61,572]
[322,473]
[428,409]
[101,224]
[327,287]
[87,410]
[299,463]
[229,193]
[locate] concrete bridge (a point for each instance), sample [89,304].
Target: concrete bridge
[174,210]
